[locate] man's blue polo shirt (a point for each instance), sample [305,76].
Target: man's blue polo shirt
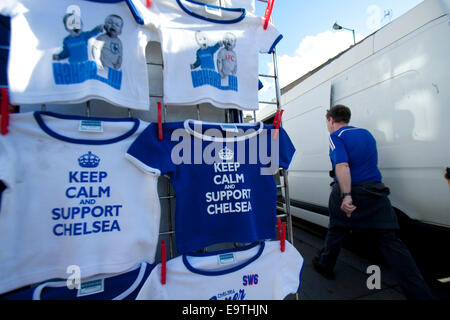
[358,148]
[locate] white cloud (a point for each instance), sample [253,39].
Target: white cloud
[375,17]
[311,53]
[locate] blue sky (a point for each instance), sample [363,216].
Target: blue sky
[308,37]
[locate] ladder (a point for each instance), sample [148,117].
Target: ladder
[283,210]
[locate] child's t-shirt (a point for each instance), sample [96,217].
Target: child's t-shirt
[224,184]
[123,286]
[71,51]
[73,199]
[256,272]
[210,53]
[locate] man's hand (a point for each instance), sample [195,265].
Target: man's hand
[347,206]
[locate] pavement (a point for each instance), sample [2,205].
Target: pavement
[351,272]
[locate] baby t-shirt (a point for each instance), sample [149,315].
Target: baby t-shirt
[223,180]
[72,199]
[260,271]
[71,51]
[210,53]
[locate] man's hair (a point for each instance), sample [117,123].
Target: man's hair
[339,113]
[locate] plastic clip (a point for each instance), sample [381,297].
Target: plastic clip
[283,237]
[281,231]
[148,4]
[4,111]
[277,123]
[160,133]
[163,262]
[268,13]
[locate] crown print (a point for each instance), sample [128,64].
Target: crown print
[89,160]
[226,154]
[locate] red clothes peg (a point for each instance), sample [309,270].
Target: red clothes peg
[281,234]
[160,133]
[149,3]
[268,13]
[283,237]
[277,123]
[4,110]
[163,262]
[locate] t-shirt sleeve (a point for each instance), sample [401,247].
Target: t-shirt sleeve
[338,150]
[289,277]
[267,39]
[152,288]
[286,150]
[5,163]
[149,15]
[6,171]
[150,154]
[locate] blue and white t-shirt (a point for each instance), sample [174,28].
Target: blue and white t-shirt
[123,286]
[71,51]
[259,271]
[358,148]
[224,184]
[73,199]
[210,53]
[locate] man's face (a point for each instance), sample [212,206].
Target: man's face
[330,124]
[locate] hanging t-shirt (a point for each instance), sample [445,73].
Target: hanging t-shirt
[73,199]
[123,286]
[71,51]
[256,272]
[224,184]
[210,53]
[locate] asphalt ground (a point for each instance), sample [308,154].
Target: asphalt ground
[351,273]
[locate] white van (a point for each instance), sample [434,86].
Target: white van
[397,84]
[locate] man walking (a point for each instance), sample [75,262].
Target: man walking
[359,200]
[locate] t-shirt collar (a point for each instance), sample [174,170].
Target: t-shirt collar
[41,122]
[340,129]
[205,6]
[188,122]
[237,267]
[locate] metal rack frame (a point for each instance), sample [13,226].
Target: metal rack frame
[229,116]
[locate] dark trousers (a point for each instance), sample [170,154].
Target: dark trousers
[394,251]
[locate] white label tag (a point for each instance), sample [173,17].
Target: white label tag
[213,10]
[91,287]
[229,127]
[226,258]
[91,126]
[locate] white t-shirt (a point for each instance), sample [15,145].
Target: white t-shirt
[71,51]
[122,286]
[210,53]
[257,272]
[72,198]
